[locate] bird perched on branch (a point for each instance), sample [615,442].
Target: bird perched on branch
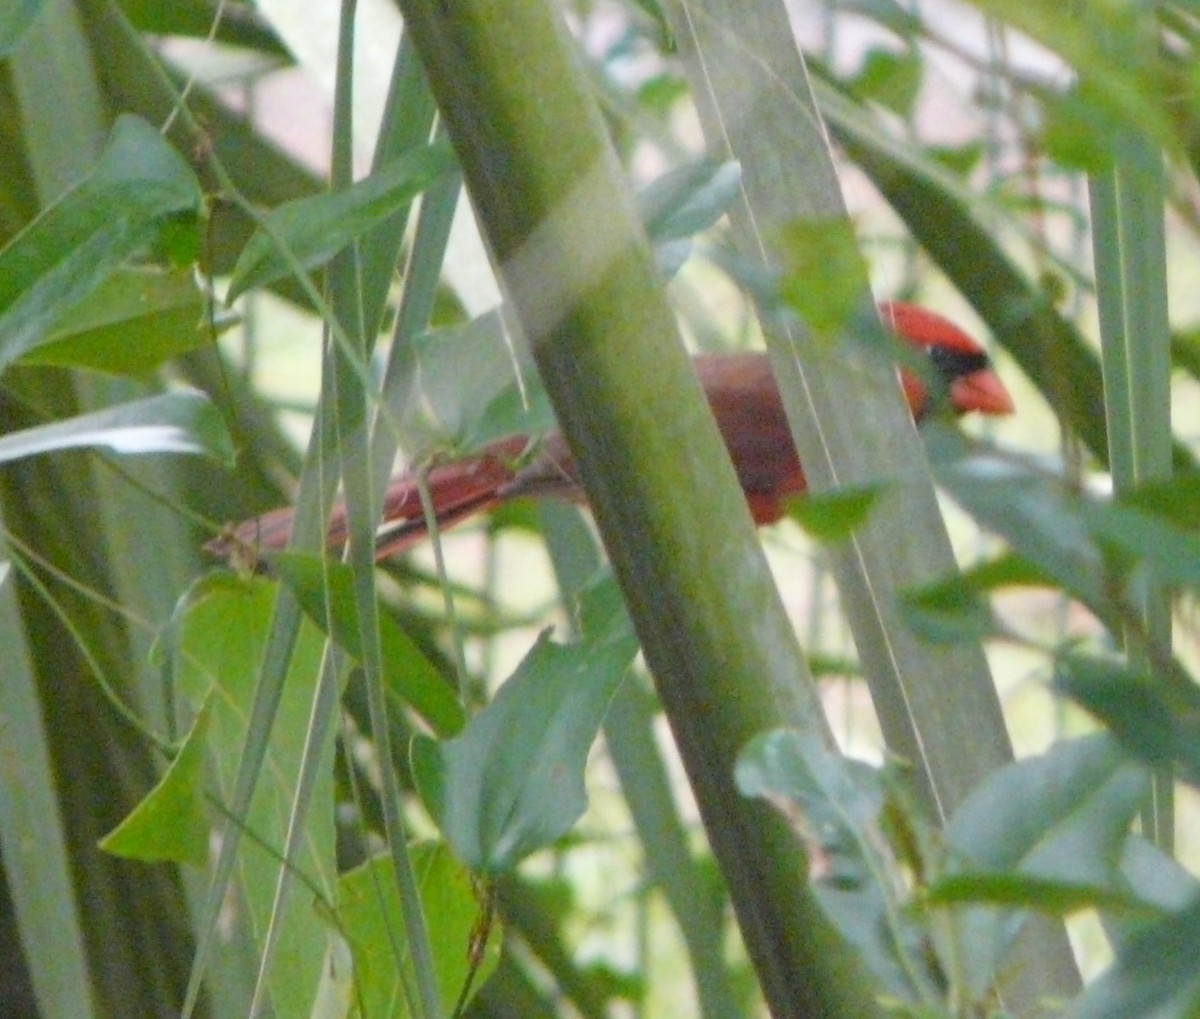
[745,401]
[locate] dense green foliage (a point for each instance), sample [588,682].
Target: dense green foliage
[319,789]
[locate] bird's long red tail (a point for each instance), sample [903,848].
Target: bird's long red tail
[457,491]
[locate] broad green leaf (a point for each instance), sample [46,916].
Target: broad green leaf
[834,516]
[369,915]
[1079,132]
[1061,818]
[512,783]
[1156,974]
[325,591]
[1034,512]
[182,422]
[170,823]
[1154,718]
[312,230]
[220,645]
[139,192]
[957,608]
[823,273]
[132,324]
[891,79]
[1173,553]
[1176,499]
[838,807]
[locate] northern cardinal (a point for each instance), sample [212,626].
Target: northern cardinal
[744,400]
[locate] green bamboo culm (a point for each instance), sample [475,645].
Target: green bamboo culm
[585,290]
[937,705]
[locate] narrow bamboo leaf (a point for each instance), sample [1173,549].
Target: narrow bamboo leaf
[182,422]
[141,190]
[1020,891]
[1155,877]
[466,387]
[132,324]
[683,202]
[1156,720]
[238,26]
[1061,817]
[313,230]
[170,823]
[326,593]
[512,783]
[221,643]
[1156,974]
[688,199]
[369,914]
[15,17]
[837,806]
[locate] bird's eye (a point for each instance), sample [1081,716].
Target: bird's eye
[957,364]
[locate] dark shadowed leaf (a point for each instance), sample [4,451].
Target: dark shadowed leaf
[133,323]
[137,193]
[1156,719]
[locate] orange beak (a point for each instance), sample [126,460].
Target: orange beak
[981,392]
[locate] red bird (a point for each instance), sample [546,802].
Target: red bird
[749,412]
